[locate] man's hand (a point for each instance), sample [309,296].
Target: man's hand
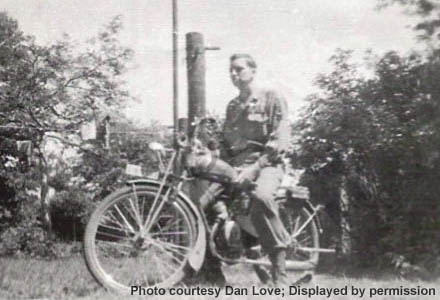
[247,177]
[271,150]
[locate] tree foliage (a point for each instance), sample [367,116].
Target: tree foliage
[102,171]
[52,90]
[58,87]
[428,12]
[380,134]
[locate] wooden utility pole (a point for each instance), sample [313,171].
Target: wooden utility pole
[175,71]
[195,57]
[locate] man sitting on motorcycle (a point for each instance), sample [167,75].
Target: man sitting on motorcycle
[259,116]
[255,133]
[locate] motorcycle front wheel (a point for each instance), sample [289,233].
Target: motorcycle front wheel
[129,241]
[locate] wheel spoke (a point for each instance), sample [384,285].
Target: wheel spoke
[304,233]
[119,253]
[173,257]
[112,227]
[156,209]
[124,219]
[135,275]
[164,263]
[172,233]
[115,244]
[114,220]
[304,225]
[135,208]
[110,235]
[142,207]
[167,226]
[296,226]
[108,248]
[170,247]
[303,241]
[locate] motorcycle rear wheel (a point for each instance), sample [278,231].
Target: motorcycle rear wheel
[120,254]
[300,254]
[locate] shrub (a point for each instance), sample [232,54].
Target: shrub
[27,238]
[69,212]
[379,136]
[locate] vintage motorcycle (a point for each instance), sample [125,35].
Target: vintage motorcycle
[151,233]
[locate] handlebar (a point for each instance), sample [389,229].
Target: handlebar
[159,147]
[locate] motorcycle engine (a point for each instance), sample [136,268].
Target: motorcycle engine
[228,240]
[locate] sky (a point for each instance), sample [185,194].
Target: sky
[291,41]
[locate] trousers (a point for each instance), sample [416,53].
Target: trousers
[264,210]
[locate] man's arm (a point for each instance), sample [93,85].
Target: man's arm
[278,140]
[278,122]
[278,128]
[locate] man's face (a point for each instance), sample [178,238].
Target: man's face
[241,73]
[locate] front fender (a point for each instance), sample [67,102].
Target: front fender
[197,255]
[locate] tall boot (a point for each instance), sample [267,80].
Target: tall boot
[278,259]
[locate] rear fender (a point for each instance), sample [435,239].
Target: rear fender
[197,255]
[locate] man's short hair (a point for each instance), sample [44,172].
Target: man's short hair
[250,61]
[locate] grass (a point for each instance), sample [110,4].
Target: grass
[69,279]
[32,278]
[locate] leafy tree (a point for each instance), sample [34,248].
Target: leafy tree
[95,176]
[379,135]
[428,12]
[57,88]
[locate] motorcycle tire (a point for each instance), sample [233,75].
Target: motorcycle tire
[121,251]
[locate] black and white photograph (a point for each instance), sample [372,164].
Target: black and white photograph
[220,149]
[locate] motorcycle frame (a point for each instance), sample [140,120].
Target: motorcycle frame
[173,183]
